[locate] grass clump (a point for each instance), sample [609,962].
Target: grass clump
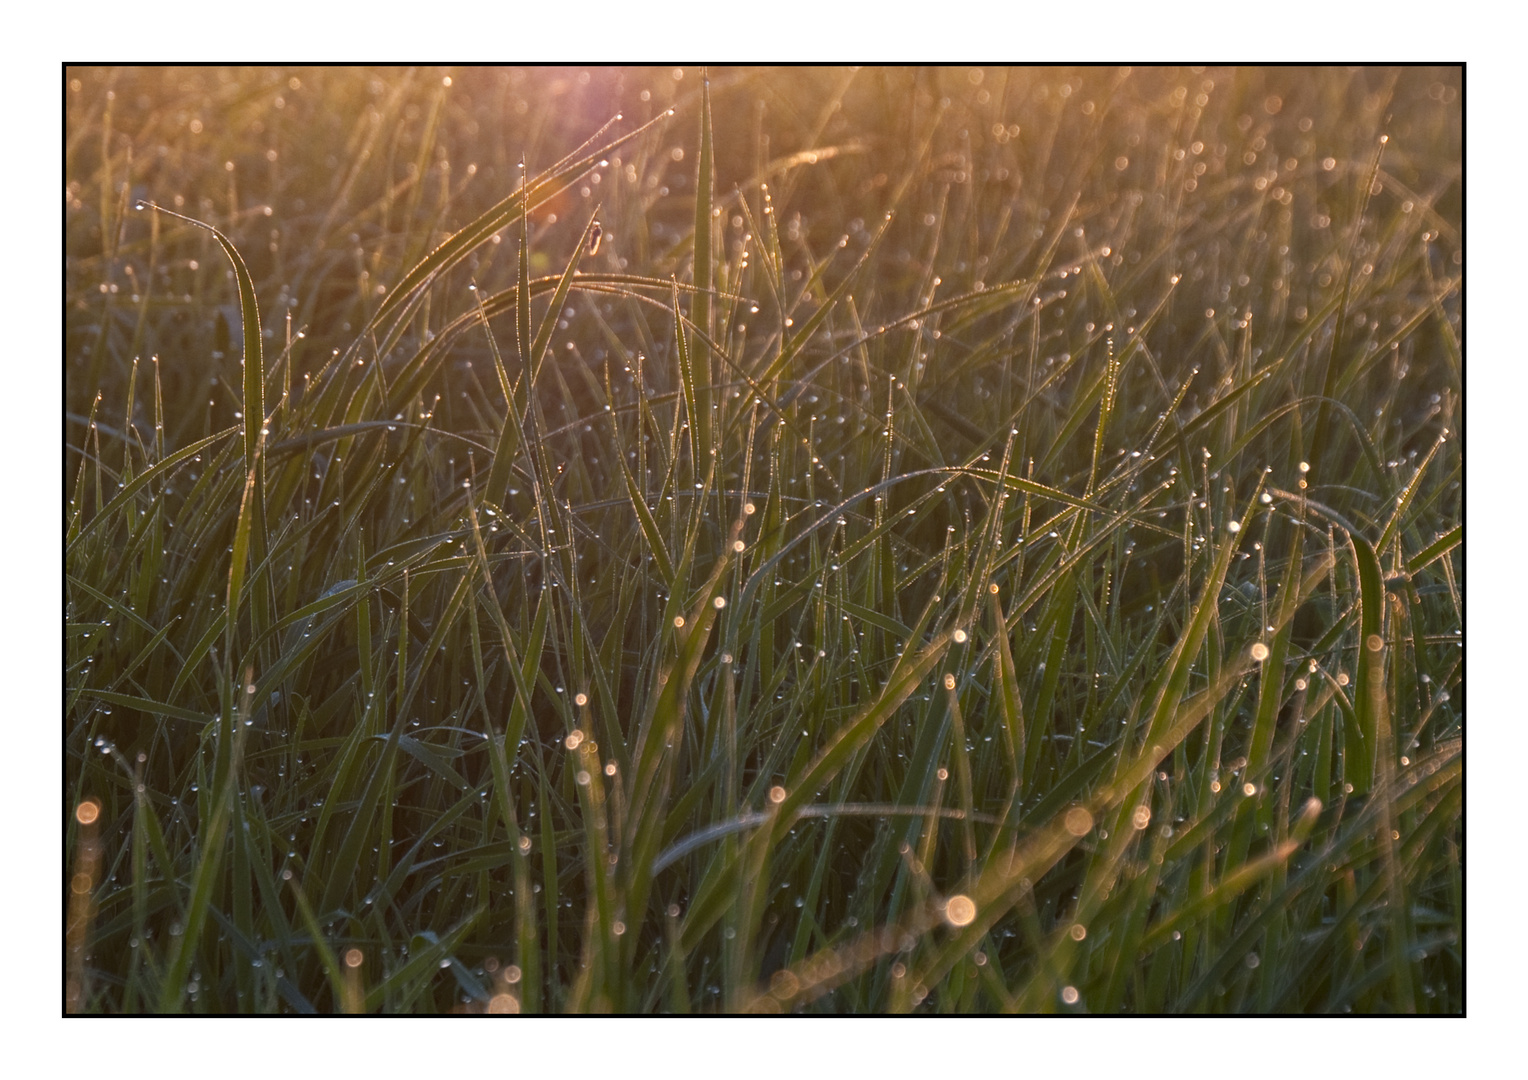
[827,540]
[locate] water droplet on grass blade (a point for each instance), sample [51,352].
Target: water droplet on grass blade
[960,910]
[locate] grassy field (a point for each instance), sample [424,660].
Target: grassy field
[825,540]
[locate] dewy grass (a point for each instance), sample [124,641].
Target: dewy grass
[944,541]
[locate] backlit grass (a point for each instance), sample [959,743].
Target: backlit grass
[828,540]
